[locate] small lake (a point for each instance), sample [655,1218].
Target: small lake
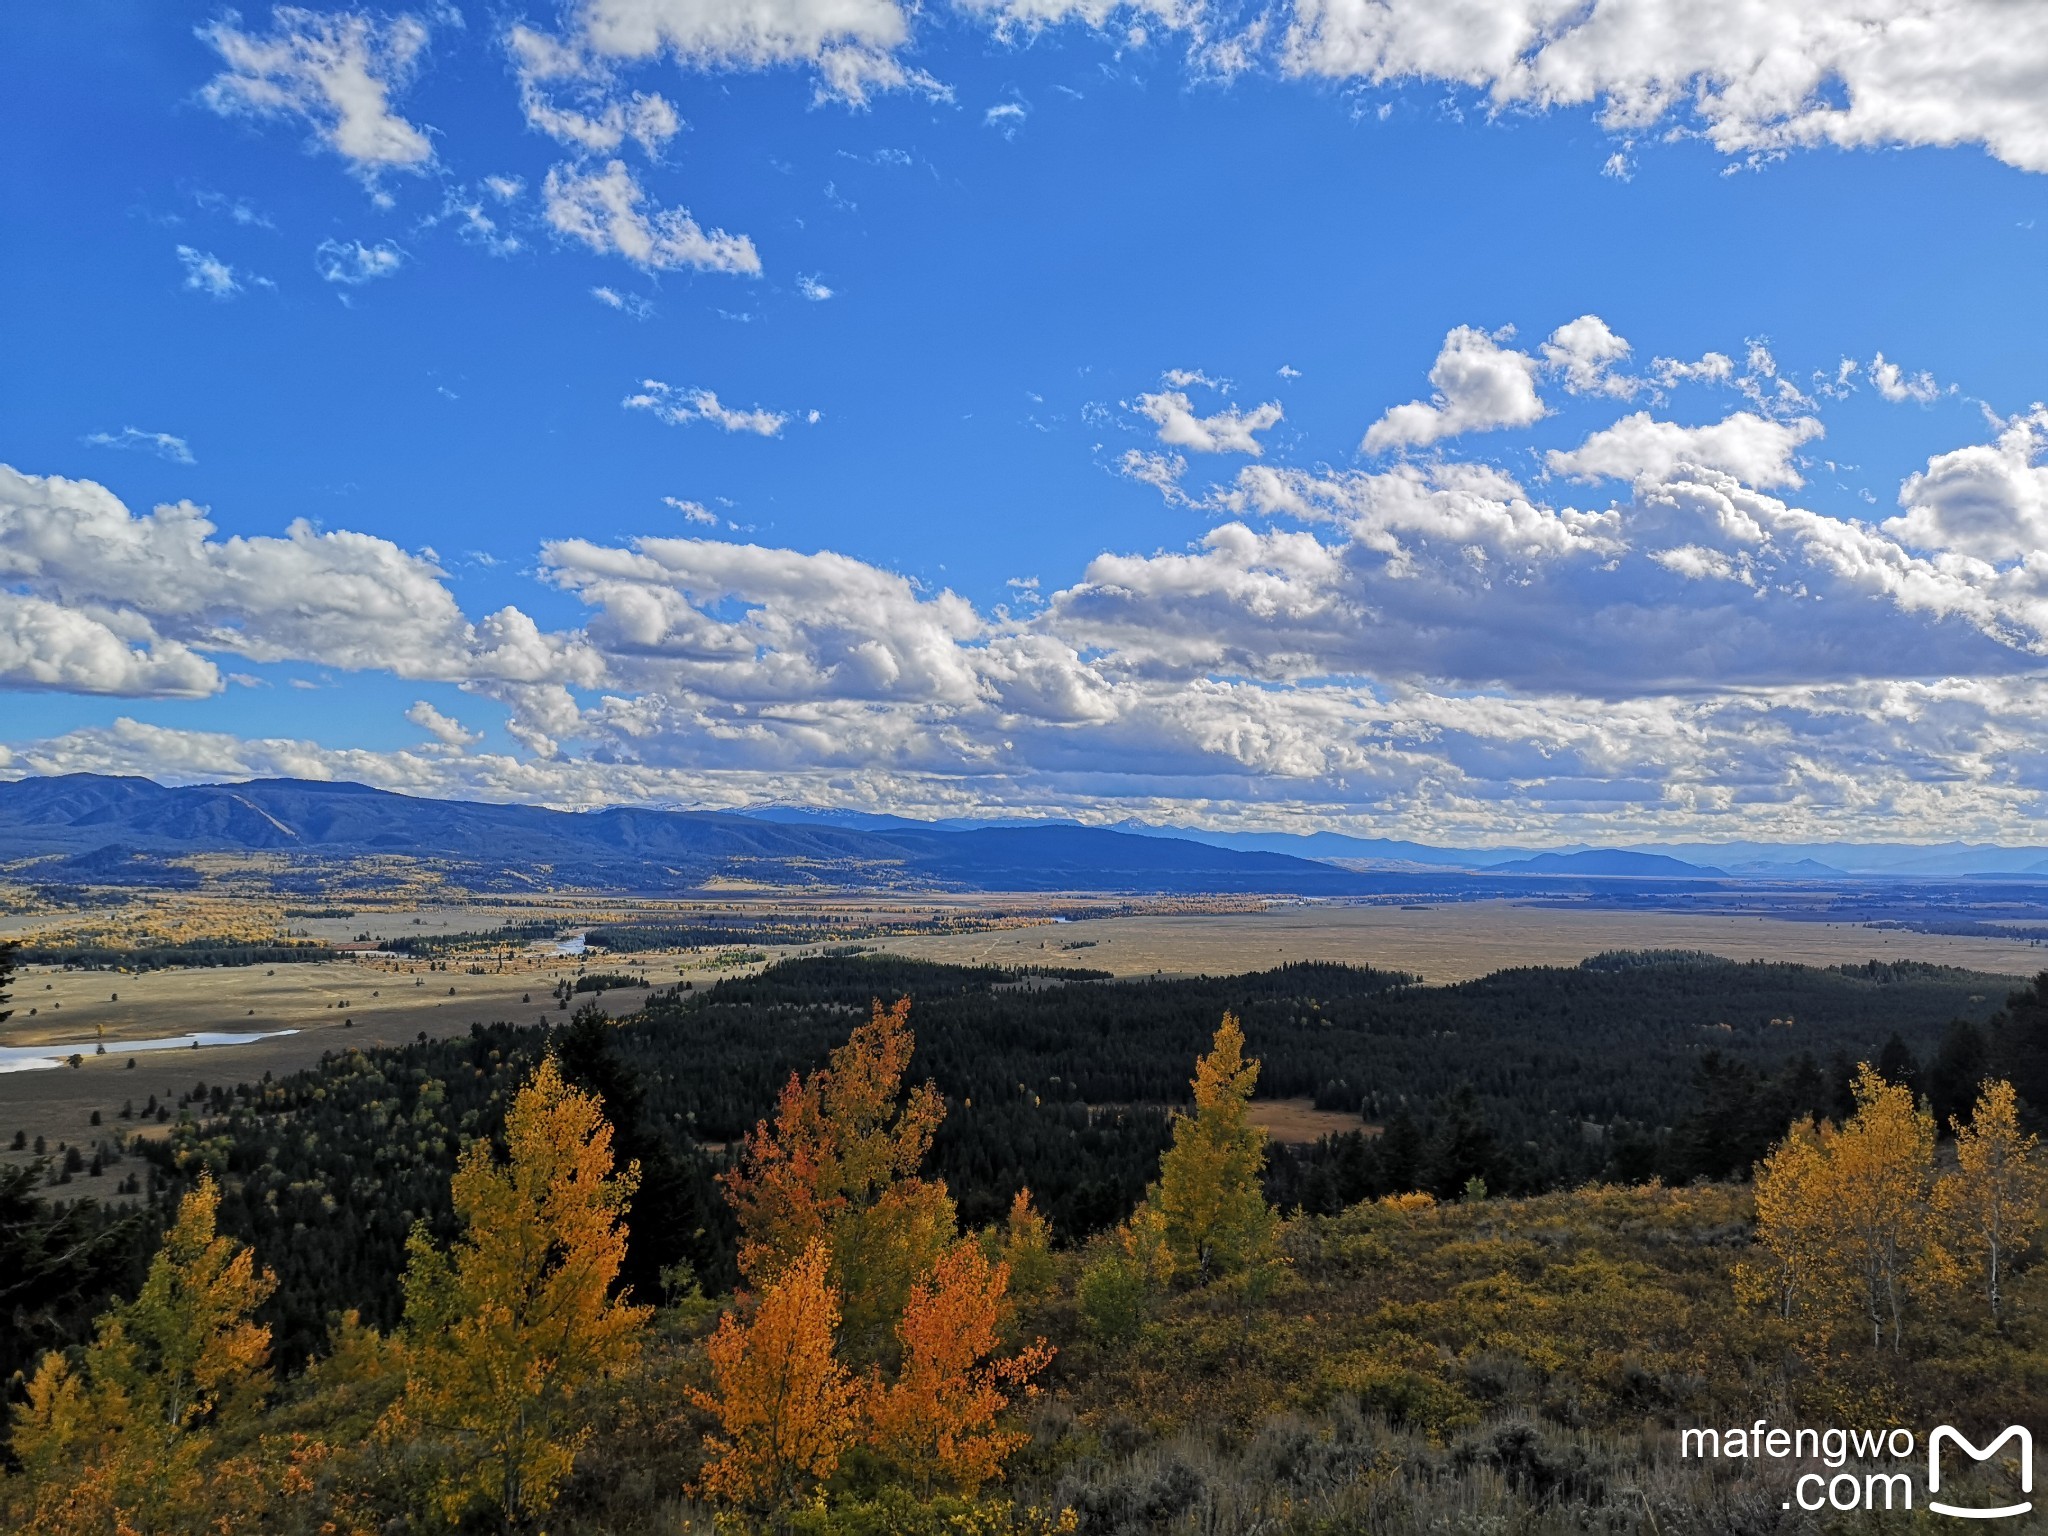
[39,1058]
[570,946]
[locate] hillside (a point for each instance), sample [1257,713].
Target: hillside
[93,829]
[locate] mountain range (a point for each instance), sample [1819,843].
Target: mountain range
[98,829]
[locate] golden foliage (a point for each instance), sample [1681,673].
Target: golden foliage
[1992,1202]
[1027,1247]
[133,1437]
[786,1408]
[507,1331]
[1208,1215]
[1847,1215]
[840,1165]
[936,1423]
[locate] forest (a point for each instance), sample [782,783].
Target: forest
[1001,1212]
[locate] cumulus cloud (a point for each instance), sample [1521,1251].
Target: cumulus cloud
[1752,448]
[352,263]
[1480,385]
[852,46]
[1227,431]
[813,290]
[1988,501]
[602,117]
[1755,77]
[443,728]
[606,210]
[680,407]
[162,444]
[337,72]
[1585,353]
[162,585]
[1897,386]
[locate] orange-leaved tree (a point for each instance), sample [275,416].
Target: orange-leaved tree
[131,1437]
[1992,1201]
[509,1332]
[787,1409]
[936,1422]
[840,1165]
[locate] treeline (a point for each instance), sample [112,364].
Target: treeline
[1208,1362]
[157,957]
[1530,1080]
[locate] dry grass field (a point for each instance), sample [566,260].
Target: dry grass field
[329,1006]
[1443,943]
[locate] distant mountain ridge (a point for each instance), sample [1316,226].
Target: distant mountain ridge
[96,828]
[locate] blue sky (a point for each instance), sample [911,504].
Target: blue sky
[1329,415]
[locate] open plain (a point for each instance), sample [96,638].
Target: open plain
[384,1001]
[1443,943]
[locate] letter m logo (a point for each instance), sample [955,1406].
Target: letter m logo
[2017,1432]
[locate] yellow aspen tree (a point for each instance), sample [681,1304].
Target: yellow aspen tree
[1794,1225]
[840,1164]
[1027,1247]
[1879,1186]
[787,1409]
[128,1438]
[1992,1201]
[508,1332]
[1208,1209]
[937,1421]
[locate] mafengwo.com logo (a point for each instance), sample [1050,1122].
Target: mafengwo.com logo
[1998,1475]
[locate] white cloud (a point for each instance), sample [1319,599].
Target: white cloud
[336,71]
[1755,450]
[48,645]
[1007,117]
[602,117]
[852,45]
[162,444]
[1188,378]
[1897,386]
[1032,16]
[626,303]
[206,273]
[813,290]
[680,407]
[443,728]
[604,209]
[1756,77]
[1227,431]
[693,511]
[475,224]
[1986,501]
[353,263]
[1161,471]
[1585,352]
[1480,385]
[162,583]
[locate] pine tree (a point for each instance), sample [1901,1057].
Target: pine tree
[510,1331]
[1993,1199]
[787,1410]
[1208,1209]
[937,1422]
[840,1165]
